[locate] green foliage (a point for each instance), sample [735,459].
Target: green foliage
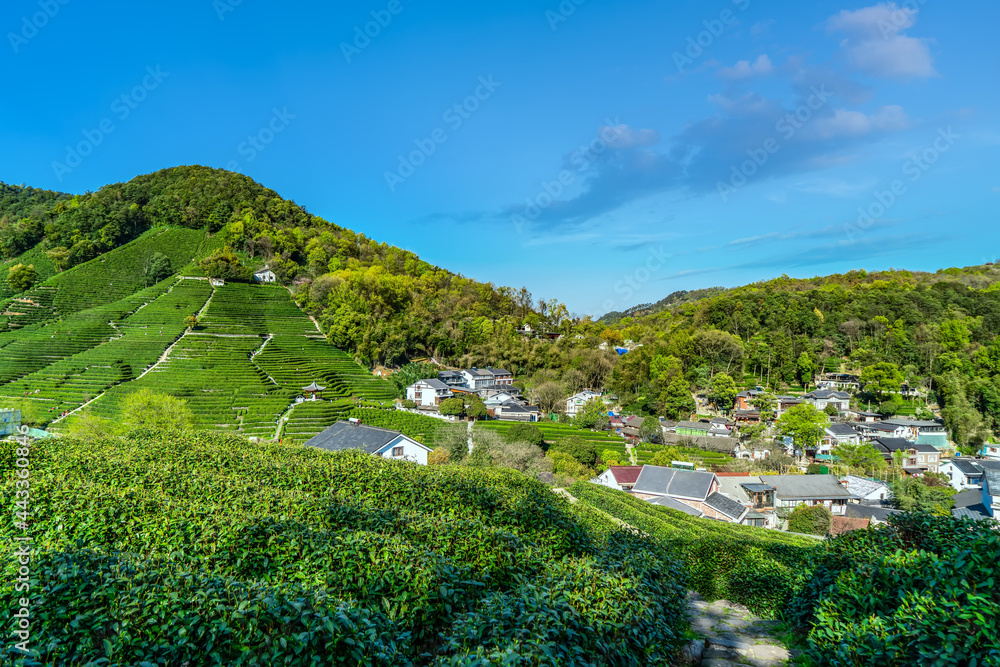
[804,424]
[882,379]
[147,409]
[305,555]
[862,456]
[914,495]
[22,276]
[813,520]
[224,264]
[723,392]
[583,451]
[678,403]
[917,591]
[529,433]
[411,373]
[594,414]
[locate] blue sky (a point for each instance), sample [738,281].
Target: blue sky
[604,154]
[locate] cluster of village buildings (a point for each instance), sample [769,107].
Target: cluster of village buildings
[495,386]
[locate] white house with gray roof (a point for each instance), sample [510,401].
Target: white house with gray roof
[792,490]
[344,436]
[429,393]
[821,398]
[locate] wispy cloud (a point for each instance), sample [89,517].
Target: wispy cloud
[877,45]
[744,69]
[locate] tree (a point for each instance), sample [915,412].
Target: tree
[912,495]
[723,392]
[529,433]
[831,410]
[882,379]
[453,407]
[678,403]
[411,373]
[666,456]
[22,276]
[804,424]
[549,395]
[190,322]
[813,520]
[650,430]
[224,264]
[438,457]
[148,409]
[158,267]
[804,368]
[611,457]
[593,414]
[565,465]
[767,404]
[581,450]
[864,456]
[91,427]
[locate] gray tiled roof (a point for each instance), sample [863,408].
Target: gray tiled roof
[807,487]
[862,486]
[694,425]
[869,512]
[346,435]
[968,498]
[977,512]
[828,393]
[726,506]
[667,501]
[435,384]
[841,430]
[670,482]
[968,466]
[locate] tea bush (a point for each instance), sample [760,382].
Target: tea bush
[920,590]
[154,549]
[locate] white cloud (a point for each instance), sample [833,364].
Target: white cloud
[877,45]
[624,137]
[749,104]
[744,69]
[845,123]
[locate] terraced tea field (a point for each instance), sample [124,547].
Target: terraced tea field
[82,340]
[554,433]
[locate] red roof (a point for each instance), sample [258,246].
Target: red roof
[845,524]
[626,474]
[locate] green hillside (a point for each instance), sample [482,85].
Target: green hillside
[215,550]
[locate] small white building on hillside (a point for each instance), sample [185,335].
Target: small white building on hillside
[576,402]
[428,393]
[383,442]
[265,275]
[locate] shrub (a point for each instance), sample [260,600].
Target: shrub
[920,590]
[813,520]
[529,433]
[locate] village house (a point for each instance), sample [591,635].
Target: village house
[821,398]
[265,275]
[841,434]
[622,478]
[382,442]
[785,403]
[868,490]
[964,473]
[842,381]
[696,489]
[990,451]
[972,504]
[576,402]
[916,459]
[792,490]
[514,411]
[744,399]
[922,432]
[870,431]
[876,514]
[428,393]
[754,494]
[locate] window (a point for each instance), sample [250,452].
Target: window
[397,451]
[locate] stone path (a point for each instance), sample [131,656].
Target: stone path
[734,636]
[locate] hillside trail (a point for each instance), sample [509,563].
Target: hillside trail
[729,634]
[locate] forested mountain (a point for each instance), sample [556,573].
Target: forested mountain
[378,301]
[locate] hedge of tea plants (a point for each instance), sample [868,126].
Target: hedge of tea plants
[758,568]
[207,549]
[922,590]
